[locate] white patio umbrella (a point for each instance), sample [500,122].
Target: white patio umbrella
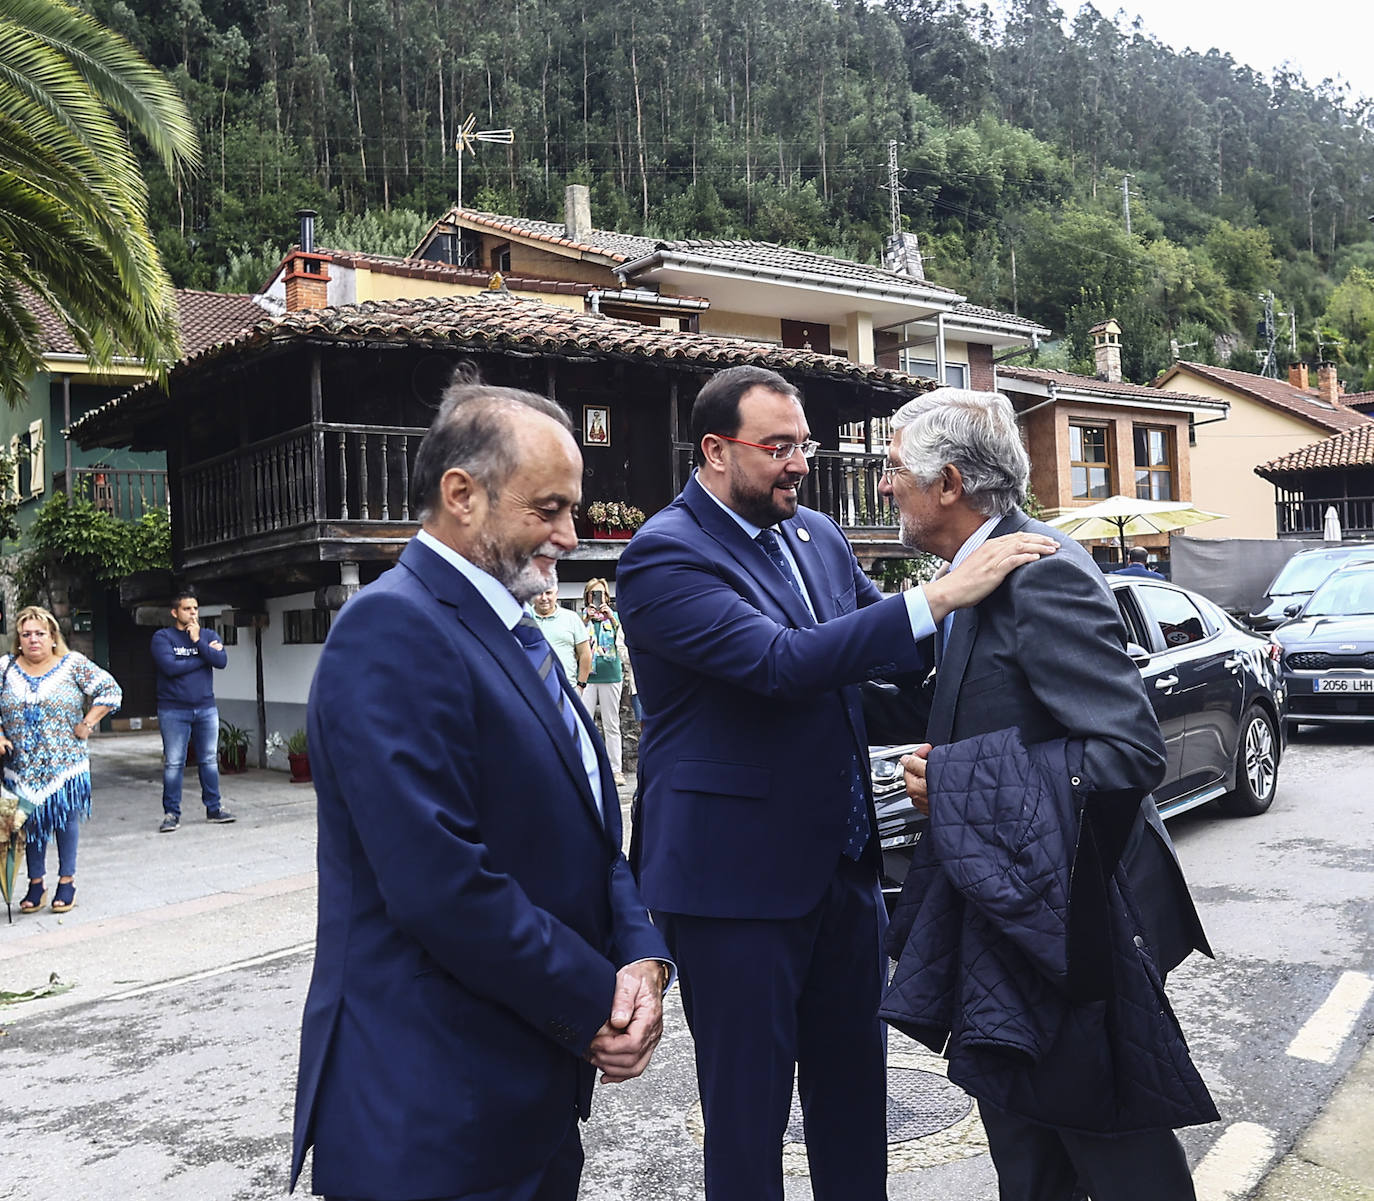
[1331,525]
[1124,517]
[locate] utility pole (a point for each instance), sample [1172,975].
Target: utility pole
[1269,332]
[1126,201]
[894,190]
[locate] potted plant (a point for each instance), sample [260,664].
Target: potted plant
[614,518]
[298,756]
[233,748]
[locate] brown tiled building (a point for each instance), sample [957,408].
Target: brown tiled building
[1337,472]
[1268,419]
[291,447]
[1094,437]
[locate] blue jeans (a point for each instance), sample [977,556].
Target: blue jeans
[37,852]
[200,729]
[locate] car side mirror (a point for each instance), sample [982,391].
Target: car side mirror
[1137,652]
[1292,610]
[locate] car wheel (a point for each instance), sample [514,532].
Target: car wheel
[1257,766]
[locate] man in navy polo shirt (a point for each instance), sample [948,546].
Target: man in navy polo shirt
[186,712]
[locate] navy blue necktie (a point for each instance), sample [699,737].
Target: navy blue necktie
[856,829]
[541,657]
[768,539]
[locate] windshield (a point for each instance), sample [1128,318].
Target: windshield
[1346,592]
[1303,573]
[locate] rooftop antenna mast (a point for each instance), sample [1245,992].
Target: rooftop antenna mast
[894,189]
[468,137]
[1268,330]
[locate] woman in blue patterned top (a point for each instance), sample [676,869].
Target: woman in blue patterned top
[44,725]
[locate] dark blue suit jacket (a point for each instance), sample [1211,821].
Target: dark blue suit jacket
[473,906]
[752,716]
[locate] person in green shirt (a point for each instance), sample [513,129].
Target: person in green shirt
[566,633]
[607,678]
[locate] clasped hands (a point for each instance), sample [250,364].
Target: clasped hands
[622,1047]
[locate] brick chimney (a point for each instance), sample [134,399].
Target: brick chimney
[307,272]
[1297,376]
[1328,386]
[1107,350]
[577,212]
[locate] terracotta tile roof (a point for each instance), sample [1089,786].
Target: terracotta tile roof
[385,264]
[493,322]
[627,247]
[206,318]
[1277,394]
[1350,448]
[1100,387]
[769,256]
[617,246]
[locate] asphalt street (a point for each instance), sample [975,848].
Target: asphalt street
[166,1070]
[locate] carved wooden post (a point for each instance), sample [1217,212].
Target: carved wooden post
[317,437]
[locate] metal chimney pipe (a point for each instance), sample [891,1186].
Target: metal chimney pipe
[307,217]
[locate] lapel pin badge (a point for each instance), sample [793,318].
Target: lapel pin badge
[804,534]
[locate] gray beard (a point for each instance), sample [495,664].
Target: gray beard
[520,577]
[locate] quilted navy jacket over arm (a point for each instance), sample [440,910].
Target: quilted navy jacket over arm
[1008,888]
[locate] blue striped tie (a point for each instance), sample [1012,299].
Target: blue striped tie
[550,672]
[856,826]
[773,549]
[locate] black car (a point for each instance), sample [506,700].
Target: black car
[1328,651]
[1216,689]
[1298,578]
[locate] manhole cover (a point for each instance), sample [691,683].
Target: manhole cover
[918,1104]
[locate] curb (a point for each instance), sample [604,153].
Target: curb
[1334,1158]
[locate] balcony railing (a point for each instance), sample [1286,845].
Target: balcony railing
[274,485]
[841,483]
[1302,518]
[127,493]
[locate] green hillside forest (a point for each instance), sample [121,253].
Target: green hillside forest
[1060,169]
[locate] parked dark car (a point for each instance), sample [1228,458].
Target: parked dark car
[1298,578]
[1328,651]
[1216,689]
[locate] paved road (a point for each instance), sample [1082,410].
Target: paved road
[167,1070]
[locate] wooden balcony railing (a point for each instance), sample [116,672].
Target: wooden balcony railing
[359,474]
[841,483]
[325,472]
[1302,518]
[127,493]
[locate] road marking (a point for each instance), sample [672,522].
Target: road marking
[1235,1164]
[1321,1038]
[177,981]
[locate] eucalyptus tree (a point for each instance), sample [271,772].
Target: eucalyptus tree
[73,202]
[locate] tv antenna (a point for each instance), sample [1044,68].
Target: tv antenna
[468,137]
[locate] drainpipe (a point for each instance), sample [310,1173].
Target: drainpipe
[66,423]
[940,348]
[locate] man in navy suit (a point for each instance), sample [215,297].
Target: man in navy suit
[1139,565]
[482,948]
[750,626]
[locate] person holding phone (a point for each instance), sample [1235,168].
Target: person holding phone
[607,679]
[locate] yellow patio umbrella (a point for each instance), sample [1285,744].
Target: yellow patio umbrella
[1125,517]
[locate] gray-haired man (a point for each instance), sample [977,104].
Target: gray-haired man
[1041,657]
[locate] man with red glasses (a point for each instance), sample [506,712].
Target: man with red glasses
[750,625]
